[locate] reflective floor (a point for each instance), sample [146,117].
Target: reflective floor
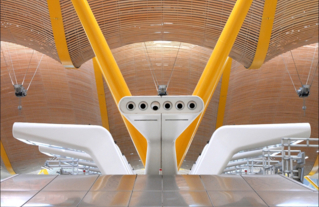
[142,190]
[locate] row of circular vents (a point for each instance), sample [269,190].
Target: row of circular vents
[167,105]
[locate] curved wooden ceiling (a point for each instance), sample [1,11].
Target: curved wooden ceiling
[68,96]
[56,95]
[126,22]
[267,95]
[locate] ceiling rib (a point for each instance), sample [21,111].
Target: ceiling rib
[264,34]
[59,34]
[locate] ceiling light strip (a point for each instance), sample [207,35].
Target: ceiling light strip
[264,34]
[59,33]
[6,160]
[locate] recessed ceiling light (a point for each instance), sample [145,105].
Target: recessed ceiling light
[161,42]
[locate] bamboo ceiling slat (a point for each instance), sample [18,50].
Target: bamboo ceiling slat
[56,95]
[267,95]
[295,24]
[65,96]
[28,24]
[127,22]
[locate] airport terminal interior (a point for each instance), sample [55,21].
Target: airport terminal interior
[159,103]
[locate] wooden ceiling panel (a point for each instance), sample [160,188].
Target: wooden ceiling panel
[28,23]
[128,22]
[68,96]
[56,95]
[268,95]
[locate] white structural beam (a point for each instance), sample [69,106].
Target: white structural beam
[94,140]
[228,140]
[161,119]
[63,152]
[253,153]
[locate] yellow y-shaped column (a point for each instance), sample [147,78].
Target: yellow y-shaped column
[59,33]
[213,71]
[6,160]
[109,67]
[223,94]
[101,94]
[264,34]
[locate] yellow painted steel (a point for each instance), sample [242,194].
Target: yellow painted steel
[109,68]
[43,171]
[184,141]
[311,182]
[213,71]
[59,34]
[223,94]
[264,33]
[315,167]
[138,139]
[101,94]
[6,160]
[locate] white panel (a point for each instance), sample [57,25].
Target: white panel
[149,125]
[94,140]
[228,140]
[63,152]
[253,153]
[161,99]
[128,166]
[172,126]
[161,127]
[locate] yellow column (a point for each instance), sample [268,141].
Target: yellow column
[223,94]
[213,71]
[105,59]
[184,141]
[311,182]
[101,94]
[315,167]
[264,33]
[43,171]
[58,33]
[109,68]
[6,160]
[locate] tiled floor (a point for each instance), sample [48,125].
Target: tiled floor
[143,190]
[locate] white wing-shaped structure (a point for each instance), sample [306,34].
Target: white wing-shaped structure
[228,140]
[67,153]
[94,140]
